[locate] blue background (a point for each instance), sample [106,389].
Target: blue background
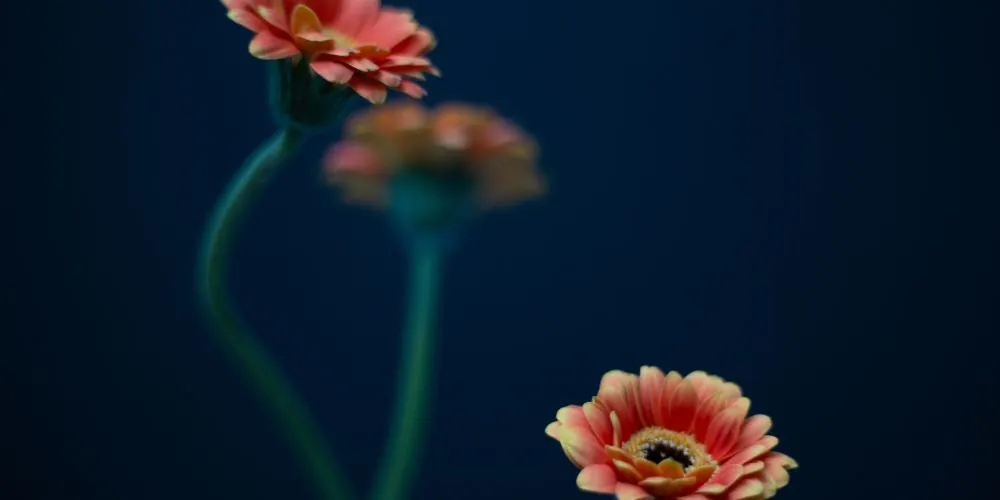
[797,196]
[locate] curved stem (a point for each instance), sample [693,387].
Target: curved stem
[410,419]
[252,358]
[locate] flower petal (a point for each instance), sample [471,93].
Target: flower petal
[372,91]
[573,417]
[645,467]
[754,428]
[723,432]
[701,382]
[582,447]
[682,406]
[747,454]
[670,468]
[416,44]
[332,71]
[723,478]
[615,453]
[552,430]
[650,394]
[664,488]
[387,78]
[275,14]
[707,411]
[616,426]
[625,491]
[599,421]
[390,28]
[266,45]
[354,16]
[598,478]
[775,468]
[627,471]
[413,90]
[749,489]
[670,383]
[304,23]
[247,19]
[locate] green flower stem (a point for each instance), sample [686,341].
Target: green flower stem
[252,358]
[395,475]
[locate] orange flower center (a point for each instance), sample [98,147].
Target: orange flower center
[657,445]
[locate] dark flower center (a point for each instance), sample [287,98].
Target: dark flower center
[659,451]
[657,444]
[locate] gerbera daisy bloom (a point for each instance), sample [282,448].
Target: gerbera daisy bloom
[352,43]
[656,436]
[432,166]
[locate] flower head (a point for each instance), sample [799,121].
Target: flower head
[350,42]
[433,164]
[656,436]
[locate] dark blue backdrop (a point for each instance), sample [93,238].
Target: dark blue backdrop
[794,195]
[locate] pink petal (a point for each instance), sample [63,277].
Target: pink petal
[599,422]
[625,491]
[754,428]
[267,45]
[662,487]
[391,27]
[372,91]
[354,16]
[682,406]
[723,433]
[573,416]
[332,71]
[247,19]
[650,387]
[722,479]
[416,44]
[670,383]
[389,79]
[775,469]
[275,14]
[747,454]
[750,489]
[395,61]
[707,411]
[361,64]
[413,90]
[696,496]
[785,460]
[626,471]
[598,478]
[701,382]
[582,447]
[552,430]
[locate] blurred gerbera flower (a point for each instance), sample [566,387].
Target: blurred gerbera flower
[656,436]
[433,164]
[350,42]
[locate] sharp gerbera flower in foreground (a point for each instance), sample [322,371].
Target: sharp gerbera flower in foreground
[656,436]
[356,43]
[433,168]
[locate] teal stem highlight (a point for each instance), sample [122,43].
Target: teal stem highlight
[251,357]
[395,476]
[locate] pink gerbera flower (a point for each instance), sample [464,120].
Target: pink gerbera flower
[349,42]
[459,148]
[656,436]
